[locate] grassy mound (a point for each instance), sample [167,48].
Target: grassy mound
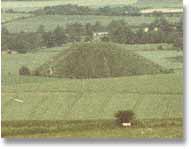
[97,60]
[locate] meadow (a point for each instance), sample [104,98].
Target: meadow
[51,21]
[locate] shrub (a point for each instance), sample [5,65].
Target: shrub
[160,47]
[105,39]
[124,116]
[24,71]
[22,51]
[36,72]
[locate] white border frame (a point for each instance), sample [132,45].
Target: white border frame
[108,143]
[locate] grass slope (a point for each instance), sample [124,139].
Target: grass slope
[98,60]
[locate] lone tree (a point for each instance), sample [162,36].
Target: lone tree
[124,118]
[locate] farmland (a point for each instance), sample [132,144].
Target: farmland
[32,5]
[162,58]
[90,129]
[51,21]
[59,99]
[44,105]
[7,17]
[158,4]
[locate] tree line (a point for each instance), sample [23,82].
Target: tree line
[71,9]
[26,41]
[160,31]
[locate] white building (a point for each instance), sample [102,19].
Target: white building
[98,35]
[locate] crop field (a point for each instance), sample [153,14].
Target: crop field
[32,5]
[51,21]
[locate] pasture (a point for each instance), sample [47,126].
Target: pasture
[51,21]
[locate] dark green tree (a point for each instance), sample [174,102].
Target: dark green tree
[60,36]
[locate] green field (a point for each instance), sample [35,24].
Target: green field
[33,5]
[57,99]
[56,106]
[8,17]
[51,21]
[163,58]
[127,92]
[79,104]
[91,129]
[159,3]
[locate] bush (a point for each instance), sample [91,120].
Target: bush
[124,116]
[105,39]
[36,72]
[160,47]
[22,51]
[24,71]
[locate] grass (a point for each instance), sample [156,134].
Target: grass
[99,95]
[163,58]
[168,128]
[178,59]
[98,60]
[159,4]
[56,100]
[51,21]
[33,5]
[8,17]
